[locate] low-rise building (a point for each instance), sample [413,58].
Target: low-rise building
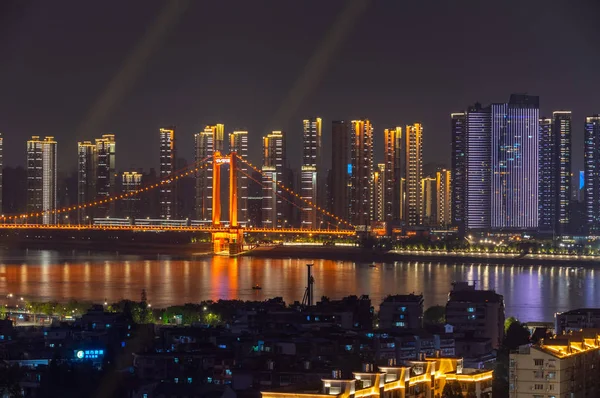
[582,318]
[562,366]
[402,311]
[476,313]
[426,377]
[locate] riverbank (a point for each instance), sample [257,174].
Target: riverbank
[361,255]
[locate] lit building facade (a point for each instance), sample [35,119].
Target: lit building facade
[1,167]
[444,198]
[546,180]
[428,214]
[379,193]
[427,377]
[361,184]
[341,169]
[562,144]
[459,170]
[274,210]
[592,173]
[559,366]
[392,137]
[238,143]
[310,173]
[131,182]
[168,192]
[515,130]
[477,197]
[413,174]
[207,143]
[106,174]
[86,179]
[41,178]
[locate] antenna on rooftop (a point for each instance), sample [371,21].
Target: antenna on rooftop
[307,300]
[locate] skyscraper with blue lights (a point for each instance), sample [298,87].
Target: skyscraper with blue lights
[514,133]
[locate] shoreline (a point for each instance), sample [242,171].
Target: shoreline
[363,255]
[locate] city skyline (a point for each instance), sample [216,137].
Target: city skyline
[264,84]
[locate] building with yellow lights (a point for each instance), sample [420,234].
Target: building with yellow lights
[444,200]
[413,174]
[393,165]
[106,174]
[168,193]
[274,207]
[309,177]
[361,178]
[561,366]
[41,179]
[131,182]
[425,378]
[238,143]
[379,193]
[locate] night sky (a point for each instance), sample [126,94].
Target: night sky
[77,69]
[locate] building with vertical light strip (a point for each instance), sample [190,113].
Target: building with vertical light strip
[341,169]
[361,184]
[515,131]
[274,214]
[106,174]
[168,193]
[86,179]
[561,126]
[429,196]
[207,143]
[546,179]
[459,170]
[379,193]
[477,207]
[392,137]
[41,178]
[238,143]
[309,177]
[444,198]
[592,173]
[399,165]
[131,182]
[413,174]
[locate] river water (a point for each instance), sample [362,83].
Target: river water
[531,293]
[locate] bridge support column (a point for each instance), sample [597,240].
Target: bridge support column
[216,190]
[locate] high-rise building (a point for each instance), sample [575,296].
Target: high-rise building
[459,169]
[311,162]
[274,210]
[1,167]
[547,180]
[131,182]
[592,173]
[428,201]
[515,130]
[444,198]
[86,179]
[379,192]
[168,192]
[207,142]
[392,137]
[361,186]
[413,174]
[399,165]
[106,174]
[562,135]
[238,143]
[341,169]
[41,178]
[477,197]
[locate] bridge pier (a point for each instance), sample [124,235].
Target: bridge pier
[230,242]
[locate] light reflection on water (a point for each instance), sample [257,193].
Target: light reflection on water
[530,293]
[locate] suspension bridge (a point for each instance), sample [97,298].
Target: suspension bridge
[227,235]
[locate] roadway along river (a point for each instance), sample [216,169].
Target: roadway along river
[530,293]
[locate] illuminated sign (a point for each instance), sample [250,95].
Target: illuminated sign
[350,168]
[222,160]
[89,354]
